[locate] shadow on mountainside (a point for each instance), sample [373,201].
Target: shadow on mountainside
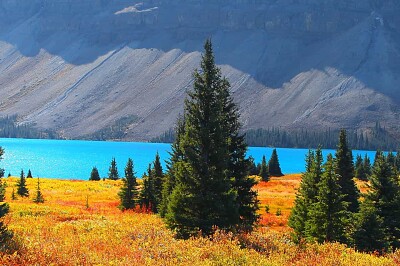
[271,47]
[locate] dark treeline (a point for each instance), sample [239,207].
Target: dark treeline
[376,138]
[115,131]
[10,129]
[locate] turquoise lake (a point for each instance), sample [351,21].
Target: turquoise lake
[74,159]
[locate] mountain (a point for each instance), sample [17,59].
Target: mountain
[82,67]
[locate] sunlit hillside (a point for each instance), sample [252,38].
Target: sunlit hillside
[80,224]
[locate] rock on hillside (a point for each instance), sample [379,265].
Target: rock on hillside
[79,66]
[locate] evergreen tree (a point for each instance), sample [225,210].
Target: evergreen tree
[307,194]
[345,172]
[206,193]
[391,159]
[253,170]
[381,207]
[94,175]
[158,178]
[29,175]
[264,170]
[359,168]
[327,217]
[274,168]
[176,155]
[367,166]
[22,190]
[378,154]
[146,196]
[113,170]
[3,186]
[39,196]
[238,166]
[370,234]
[5,234]
[397,161]
[128,192]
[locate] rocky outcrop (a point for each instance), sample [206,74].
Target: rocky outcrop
[79,66]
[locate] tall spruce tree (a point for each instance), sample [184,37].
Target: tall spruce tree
[22,190]
[274,168]
[327,217]
[307,194]
[128,193]
[239,165]
[158,178]
[378,226]
[113,170]
[264,170]
[39,196]
[206,193]
[345,171]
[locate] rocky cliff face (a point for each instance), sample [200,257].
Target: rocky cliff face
[79,66]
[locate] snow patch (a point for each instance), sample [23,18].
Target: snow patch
[135,9]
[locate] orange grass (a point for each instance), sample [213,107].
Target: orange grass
[63,231]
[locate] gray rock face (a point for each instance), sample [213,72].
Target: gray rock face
[78,66]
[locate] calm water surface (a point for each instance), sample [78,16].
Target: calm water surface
[74,159]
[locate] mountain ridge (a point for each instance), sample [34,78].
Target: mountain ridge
[78,67]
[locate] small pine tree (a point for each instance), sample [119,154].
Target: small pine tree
[39,196]
[94,175]
[29,175]
[274,169]
[128,193]
[252,166]
[264,170]
[327,217]
[22,190]
[113,170]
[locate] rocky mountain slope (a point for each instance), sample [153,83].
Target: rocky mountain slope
[80,66]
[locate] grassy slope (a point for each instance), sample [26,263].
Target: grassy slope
[63,231]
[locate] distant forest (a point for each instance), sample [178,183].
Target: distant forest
[373,139]
[9,128]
